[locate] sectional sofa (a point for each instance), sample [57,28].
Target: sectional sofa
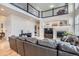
[27,46]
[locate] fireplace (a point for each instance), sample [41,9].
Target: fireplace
[60,34]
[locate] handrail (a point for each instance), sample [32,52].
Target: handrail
[27,8]
[51,12]
[35,11]
[44,14]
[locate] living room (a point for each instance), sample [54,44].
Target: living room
[50,24]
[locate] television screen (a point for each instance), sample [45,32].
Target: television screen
[60,33]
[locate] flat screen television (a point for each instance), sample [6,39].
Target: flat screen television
[60,34]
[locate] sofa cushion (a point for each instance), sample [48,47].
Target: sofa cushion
[32,40]
[77,49]
[48,42]
[68,47]
[64,38]
[22,38]
[72,39]
[13,37]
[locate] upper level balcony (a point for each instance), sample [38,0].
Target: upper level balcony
[61,10]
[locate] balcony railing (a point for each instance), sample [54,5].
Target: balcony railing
[44,14]
[27,8]
[55,11]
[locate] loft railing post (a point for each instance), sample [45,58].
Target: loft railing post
[67,8]
[27,7]
[66,5]
[52,11]
[39,14]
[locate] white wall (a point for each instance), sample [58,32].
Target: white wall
[18,10]
[2,21]
[77,19]
[16,23]
[54,28]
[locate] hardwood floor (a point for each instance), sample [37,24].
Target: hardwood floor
[5,49]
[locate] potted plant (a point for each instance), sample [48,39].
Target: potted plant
[68,33]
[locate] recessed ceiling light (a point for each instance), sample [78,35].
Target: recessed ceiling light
[39,8]
[2,9]
[51,6]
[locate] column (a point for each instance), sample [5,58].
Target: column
[41,29]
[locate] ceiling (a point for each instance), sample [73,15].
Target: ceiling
[4,11]
[46,6]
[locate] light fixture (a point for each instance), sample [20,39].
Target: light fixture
[39,8]
[2,9]
[51,6]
